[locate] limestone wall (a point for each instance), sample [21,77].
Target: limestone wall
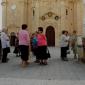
[43,13]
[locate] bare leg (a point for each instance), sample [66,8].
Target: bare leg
[24,64]
[45,62]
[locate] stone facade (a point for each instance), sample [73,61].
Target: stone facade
[59,14]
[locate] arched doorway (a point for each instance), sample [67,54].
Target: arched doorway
[50,34]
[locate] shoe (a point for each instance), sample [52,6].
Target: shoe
[41,63]
[7,59]
[45,63]
[4,61]
[65,59]
[75,57]
[24,65]
[17,55]
[37,61]
[27,63]
[62,59]
[68,52]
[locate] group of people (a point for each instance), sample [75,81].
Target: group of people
[36,42]
[68,41]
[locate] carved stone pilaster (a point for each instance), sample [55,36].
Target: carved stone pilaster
[84,17]
[4,12]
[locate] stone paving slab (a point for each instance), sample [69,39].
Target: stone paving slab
[56,72]
[13,81]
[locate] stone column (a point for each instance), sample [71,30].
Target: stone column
[26,11]
[0,15]
[81,50]
[75,16]
[84,17]
[30,27]
[4,13]
[79,17]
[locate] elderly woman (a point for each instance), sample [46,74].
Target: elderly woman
[5,45]
[24,43]
[42,47]
[12,38]
[64,44]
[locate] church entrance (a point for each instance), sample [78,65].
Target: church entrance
[50,34]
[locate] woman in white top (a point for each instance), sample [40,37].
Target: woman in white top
[5,45]
[64,44]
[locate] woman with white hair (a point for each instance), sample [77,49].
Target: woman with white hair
[5,45]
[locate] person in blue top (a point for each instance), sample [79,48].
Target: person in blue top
[34,41]
[34,45]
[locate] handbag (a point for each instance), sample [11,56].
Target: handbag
[8,49]
[48,54]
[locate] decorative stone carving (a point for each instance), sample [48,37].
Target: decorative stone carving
[57,17]
[46,12]
[13,7]
[3,3]
[50,15]
[43,18]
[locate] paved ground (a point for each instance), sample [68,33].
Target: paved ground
[56,72]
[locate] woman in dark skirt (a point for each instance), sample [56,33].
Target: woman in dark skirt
[42,47]
[12,39]
[17,49]
[24,53]
[24,41]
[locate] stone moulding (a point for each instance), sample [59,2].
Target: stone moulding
[3,3]
[49,15]
[43,18]
[57,17]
